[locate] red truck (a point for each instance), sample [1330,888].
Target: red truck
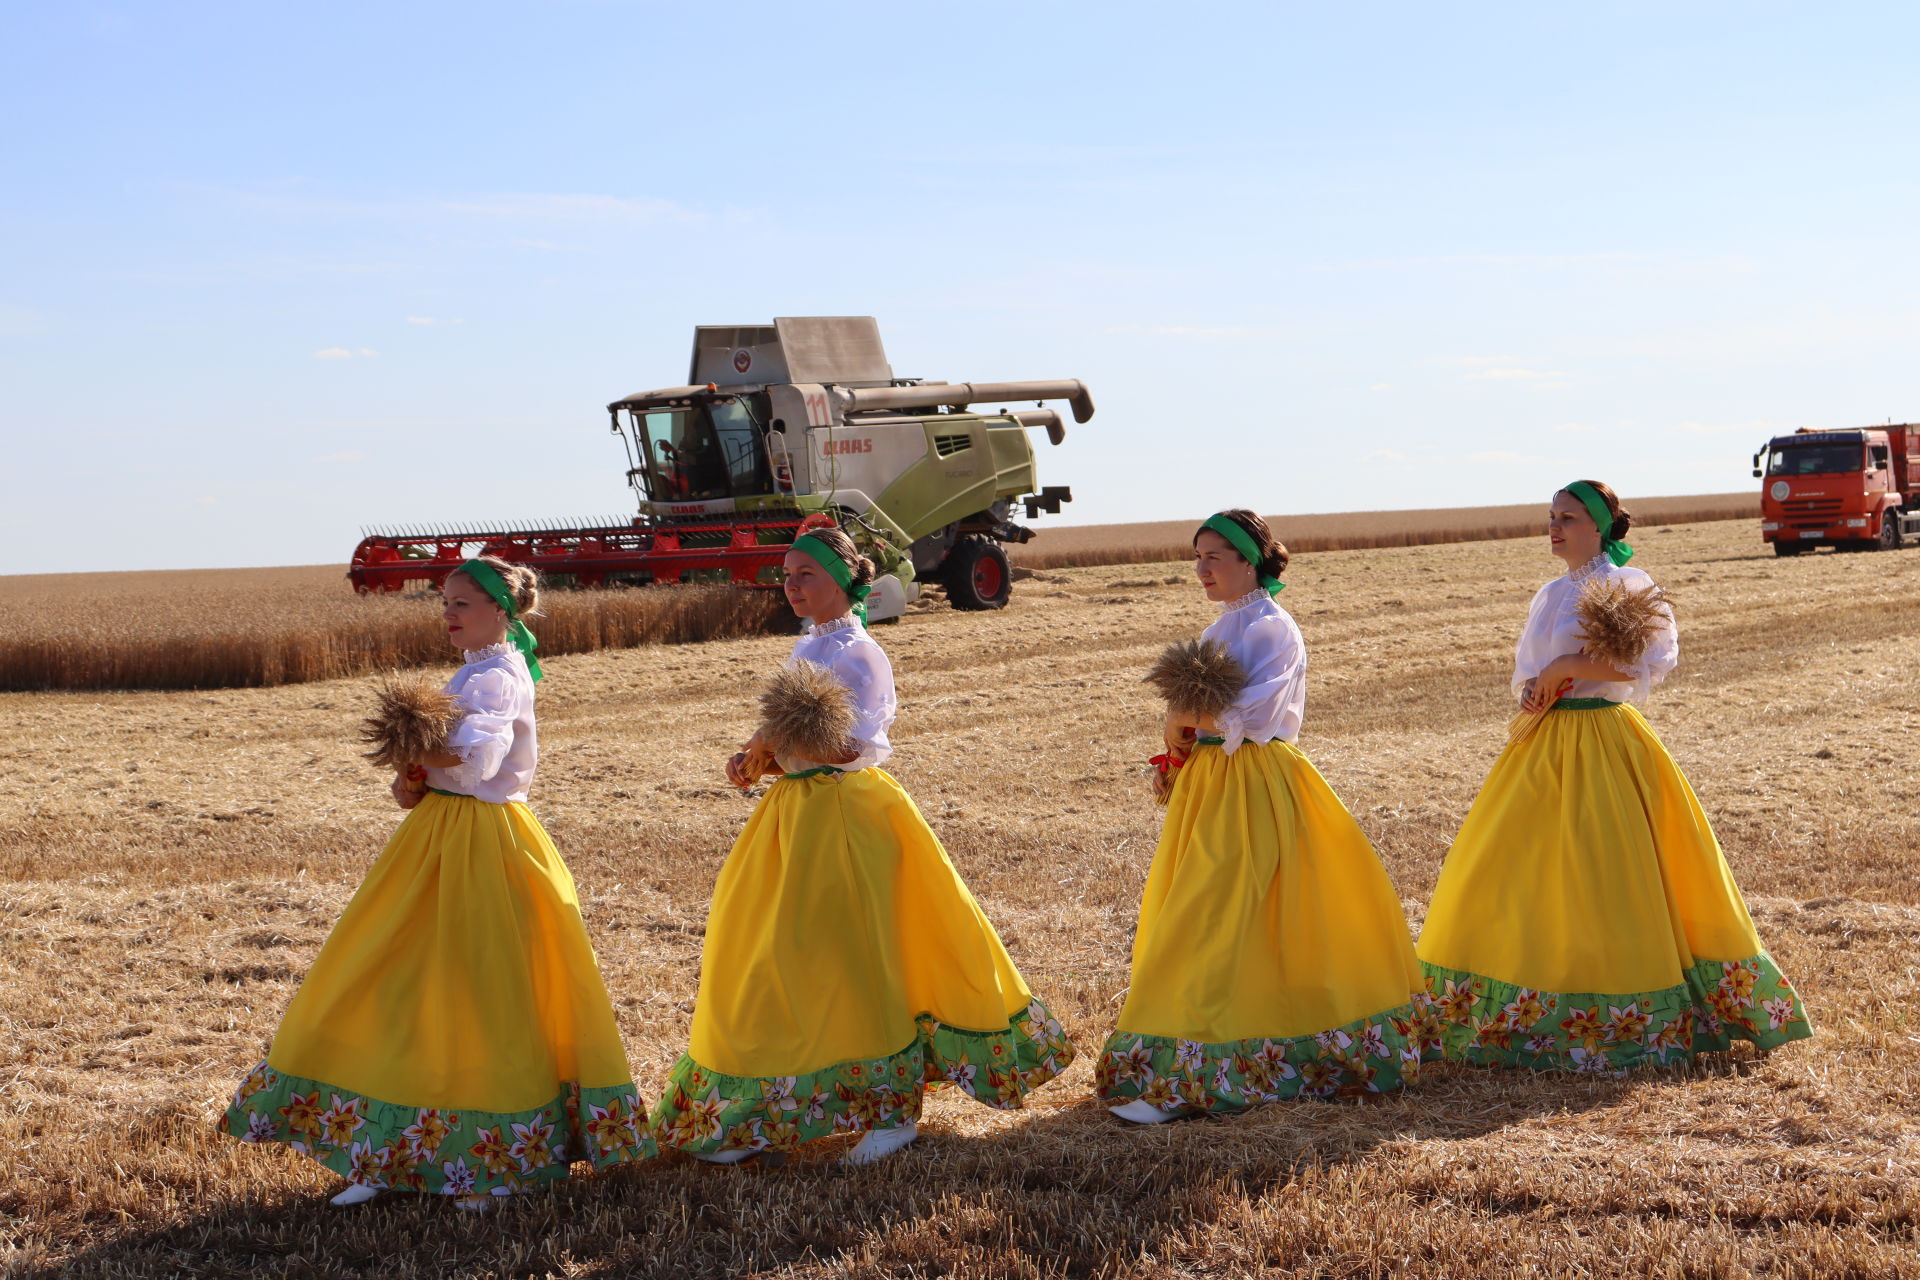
[1854,489]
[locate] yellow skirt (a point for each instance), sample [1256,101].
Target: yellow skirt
[1586,918]
[1272,957]
[846,967]
[453,1034]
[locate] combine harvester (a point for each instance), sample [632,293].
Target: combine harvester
[780,429]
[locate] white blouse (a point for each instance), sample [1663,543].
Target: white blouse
[1266,642]
[1553,630]
[495,739]
[844,648]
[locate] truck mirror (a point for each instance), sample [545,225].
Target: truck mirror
[1756,471]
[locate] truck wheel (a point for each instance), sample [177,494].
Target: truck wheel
[976,574]
[1889,531]
[1786,548]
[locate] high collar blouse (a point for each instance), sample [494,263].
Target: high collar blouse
[495,739]
[844,648]
[1553,630]
[1266,642]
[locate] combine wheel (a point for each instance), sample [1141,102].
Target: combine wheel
[976,574]
[1785,548]
[1889,532]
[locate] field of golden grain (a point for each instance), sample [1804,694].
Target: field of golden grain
[251,628]
[1083,546]
[170,863]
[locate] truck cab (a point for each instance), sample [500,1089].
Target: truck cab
[1853,489]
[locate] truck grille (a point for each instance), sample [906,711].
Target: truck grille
[1811,506]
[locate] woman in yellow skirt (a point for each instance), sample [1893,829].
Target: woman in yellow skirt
[453,1035]
[1272,957]
[846,968]
[1585,919]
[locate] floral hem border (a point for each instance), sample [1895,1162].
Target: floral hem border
[704,1111]
[1368,1055]
[382,1144]
[1486,1020]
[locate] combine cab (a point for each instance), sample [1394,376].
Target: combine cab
[779,429]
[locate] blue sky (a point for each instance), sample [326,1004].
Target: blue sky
[272,272]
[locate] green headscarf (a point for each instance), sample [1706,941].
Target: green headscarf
[1233,531]
[488,579]
[837,569]
[1617,551]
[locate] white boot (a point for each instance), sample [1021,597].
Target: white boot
[356,1193]
[1143,1112]
[735,1156]
[878,1144]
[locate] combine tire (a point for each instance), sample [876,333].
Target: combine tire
[1787,548]
[1889,532]
[977,575]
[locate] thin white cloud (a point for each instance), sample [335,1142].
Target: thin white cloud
[344,353]
[1471,362]
[423,320]
[304,199]
[1502,455]
[1518,375]
[1575,427]
[351,455]
[1215,333]
[1381,386]
[1751,427]
[541,207]
[205,502]
[1387,455]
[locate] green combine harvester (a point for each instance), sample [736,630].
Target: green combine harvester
[780,429]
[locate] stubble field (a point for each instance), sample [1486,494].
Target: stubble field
[170,863]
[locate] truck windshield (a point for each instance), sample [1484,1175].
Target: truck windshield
[706,451]
[1813,459]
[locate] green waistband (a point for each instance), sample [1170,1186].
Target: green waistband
[1209,740]
[457,794]
[1583,704]
[814,772]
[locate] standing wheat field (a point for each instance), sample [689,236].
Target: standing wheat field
[170,863]
[251,628]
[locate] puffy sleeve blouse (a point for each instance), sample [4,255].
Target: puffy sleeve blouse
[844,648]
[495,740]
[1553,629]
[1266,641]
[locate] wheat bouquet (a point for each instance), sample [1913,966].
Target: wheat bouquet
[411,721]
[1197,676]
[805,711]
[1617,623]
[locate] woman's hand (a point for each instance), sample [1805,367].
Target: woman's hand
[407,788]
[753,761]
[1555,679]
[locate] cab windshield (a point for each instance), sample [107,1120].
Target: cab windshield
[1814,459]
[710,450]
